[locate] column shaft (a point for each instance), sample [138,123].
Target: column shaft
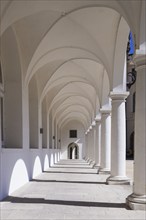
[91,147]
[137,200]
[105,141]
[94,143]
[118,140]
[98,143]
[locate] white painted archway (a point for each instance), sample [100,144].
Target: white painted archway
[73,151]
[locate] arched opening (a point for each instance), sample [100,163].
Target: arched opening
[130,102]
[73,151]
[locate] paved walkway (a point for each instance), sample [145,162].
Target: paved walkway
[70,190]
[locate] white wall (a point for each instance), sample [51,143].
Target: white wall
[65,140]
[18,166]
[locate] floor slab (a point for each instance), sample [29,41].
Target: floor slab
[71,189]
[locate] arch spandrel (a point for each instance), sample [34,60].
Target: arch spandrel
[119,70]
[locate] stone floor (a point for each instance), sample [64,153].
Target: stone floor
[70,190]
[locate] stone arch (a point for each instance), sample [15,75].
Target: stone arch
[41,50]
[119,68]
[61,99]
[29,10]
[70,54]
[74,115]
[93,78]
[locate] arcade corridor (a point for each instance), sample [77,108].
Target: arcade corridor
[70,189]
[67,76]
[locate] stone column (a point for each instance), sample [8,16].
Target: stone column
[98,142]
[87,146]
[118,140]
[91,143]
[105,140]
[94,143]
[137,200]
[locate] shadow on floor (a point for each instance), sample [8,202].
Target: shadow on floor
[66,181]
[70,172]
[73,164]
[13,199]
[72,167]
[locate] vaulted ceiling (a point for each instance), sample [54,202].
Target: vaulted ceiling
[74,51]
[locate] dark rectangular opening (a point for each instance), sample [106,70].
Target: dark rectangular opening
[73,134]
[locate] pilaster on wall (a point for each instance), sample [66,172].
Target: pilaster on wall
[25,118]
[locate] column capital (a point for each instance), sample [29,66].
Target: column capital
[98,118]
[140,59]
[93,124]
[90,128]
[98,121]
[105,111]
[88,131]
[119,95]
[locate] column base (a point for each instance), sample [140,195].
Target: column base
[93,165]
[91,162]
[88,160]
[104,170]
[136,202]
[118,180]
[96,166]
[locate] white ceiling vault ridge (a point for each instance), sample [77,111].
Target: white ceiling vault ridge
[72,53]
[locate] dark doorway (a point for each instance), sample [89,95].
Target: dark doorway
[73,151]
[70,153]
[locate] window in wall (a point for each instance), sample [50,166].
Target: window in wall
[73,134]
